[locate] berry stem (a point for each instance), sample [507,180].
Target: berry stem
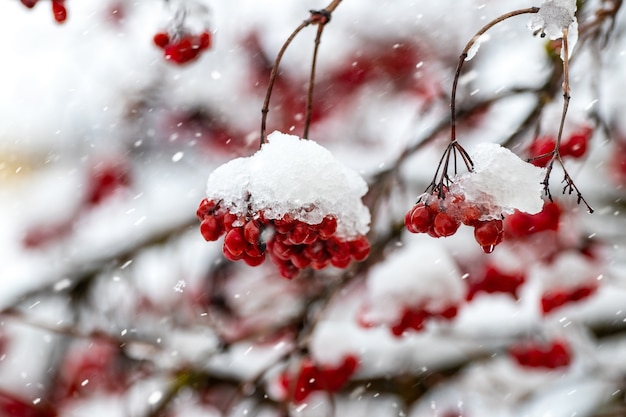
[570,186]
[319,17]
[464,54]
[324,17]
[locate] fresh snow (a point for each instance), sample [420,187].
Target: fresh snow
[295,176]
[501,182]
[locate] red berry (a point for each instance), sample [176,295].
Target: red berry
[327,227]
[253,260]
[205,208]
[211,229]
[359,249]
[444,225]
[29,3]
[252,232]
[469,215]
[234,242]
[302,233]
[489,233]
[161,39]
[419,219]
[59,11]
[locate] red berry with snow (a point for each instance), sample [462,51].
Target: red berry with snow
[444,225]
[292,240]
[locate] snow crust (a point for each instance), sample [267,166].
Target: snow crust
[296,176]
[501,182]
[553,17]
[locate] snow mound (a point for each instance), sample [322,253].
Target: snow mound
[501,182]
[289,175]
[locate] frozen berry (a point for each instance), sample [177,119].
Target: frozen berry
[444,225]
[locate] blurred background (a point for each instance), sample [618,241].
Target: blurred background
[112,303]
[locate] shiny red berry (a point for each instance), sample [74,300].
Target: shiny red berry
[419,219]
[444,225]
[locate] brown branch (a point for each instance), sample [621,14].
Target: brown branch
[464,54]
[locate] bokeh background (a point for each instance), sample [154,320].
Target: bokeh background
[112,303]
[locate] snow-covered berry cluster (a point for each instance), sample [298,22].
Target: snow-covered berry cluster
[58,8]
[311,378]
[479,198]
[406,293]
[290,201]
[291,244]
[552,355]
[183,48]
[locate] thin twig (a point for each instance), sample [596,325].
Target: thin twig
[273,74]
[570,186]
[464,54]
[309,99]
[320,17]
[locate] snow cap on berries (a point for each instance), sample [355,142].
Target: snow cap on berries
[500,182]
[289,175]
[553,17]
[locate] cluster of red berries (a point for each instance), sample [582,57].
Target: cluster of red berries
[415,318]
[575,146]
[434,216]
[292,244]
[556,298]
[58,8]
[312,378]
[495,281]
[184,47]
[553,355]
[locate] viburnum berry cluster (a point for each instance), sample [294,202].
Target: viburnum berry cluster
[182,48]
[58,8]
[405,293]
[311,378]
[291,201]
[291,244]
[552,355]
[478,198]
[433,215]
